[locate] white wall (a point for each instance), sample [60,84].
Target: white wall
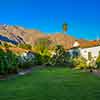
[94,51]
[84,52]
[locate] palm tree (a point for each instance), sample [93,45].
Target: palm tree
[65,27]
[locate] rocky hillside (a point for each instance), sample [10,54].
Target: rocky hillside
[16,34]
[19,34]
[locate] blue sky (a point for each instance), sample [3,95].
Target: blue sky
[82,16]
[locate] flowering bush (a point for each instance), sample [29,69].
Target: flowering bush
[79,62]
[91,64]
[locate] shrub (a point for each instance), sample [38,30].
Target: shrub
[6,45]
[8,61]
[42,59]
[91,63]
[98,61]
[37,59]
[25,46]
[26,60]
[12,59]
[79,62]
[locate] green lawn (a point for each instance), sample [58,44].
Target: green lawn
[52,84]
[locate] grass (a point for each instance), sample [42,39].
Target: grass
[52,84]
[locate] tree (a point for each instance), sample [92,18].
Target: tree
[65,27]
[42,46]
[59,57]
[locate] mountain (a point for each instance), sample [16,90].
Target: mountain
[16,34]
[19,34]
[4,38]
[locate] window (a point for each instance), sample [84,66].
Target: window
[75,53]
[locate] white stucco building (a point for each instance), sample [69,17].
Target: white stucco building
[83,49]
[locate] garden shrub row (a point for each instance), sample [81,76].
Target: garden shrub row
[45,55]
[10,62]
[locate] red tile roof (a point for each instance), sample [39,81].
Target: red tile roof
[87,44]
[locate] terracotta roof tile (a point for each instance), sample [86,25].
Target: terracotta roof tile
[85,44]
